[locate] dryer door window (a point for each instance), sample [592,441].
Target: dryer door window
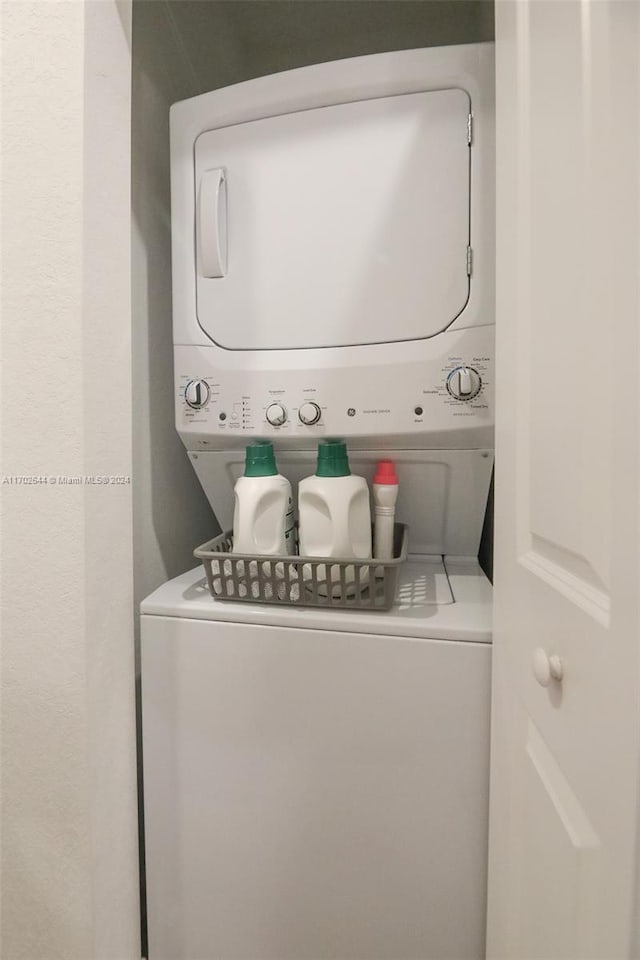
[336,226]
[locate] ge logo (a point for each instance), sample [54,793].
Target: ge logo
[351,412]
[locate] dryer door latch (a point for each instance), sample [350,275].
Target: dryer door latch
[212,223]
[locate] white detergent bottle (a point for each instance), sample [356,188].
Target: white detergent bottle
[334,518]
[263,523]
[385,494]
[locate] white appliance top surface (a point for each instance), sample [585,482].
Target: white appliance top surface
[436,600]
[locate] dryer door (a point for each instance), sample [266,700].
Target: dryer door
[336,226]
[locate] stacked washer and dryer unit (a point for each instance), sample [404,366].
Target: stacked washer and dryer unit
[316,781]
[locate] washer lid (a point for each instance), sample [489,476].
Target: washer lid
[337,226]
[434,601]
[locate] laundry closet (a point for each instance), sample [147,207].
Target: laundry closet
[316,780]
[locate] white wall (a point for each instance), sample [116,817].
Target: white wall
[69,858]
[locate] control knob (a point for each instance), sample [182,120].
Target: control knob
[196,393]
[464,383]
[276,415]
[309,413]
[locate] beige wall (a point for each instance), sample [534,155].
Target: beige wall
[69,857]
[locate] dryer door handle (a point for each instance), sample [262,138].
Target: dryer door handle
[211,224]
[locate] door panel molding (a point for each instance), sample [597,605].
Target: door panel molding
[553,564]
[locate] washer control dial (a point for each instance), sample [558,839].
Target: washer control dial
[309,413]
[464,383]
[276,415]
[196,393]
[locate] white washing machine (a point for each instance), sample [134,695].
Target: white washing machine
[316,781]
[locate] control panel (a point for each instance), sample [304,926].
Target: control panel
[453,391]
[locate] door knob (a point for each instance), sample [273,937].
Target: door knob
[546,668]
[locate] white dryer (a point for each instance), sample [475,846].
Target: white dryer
[333,257]
[316,781]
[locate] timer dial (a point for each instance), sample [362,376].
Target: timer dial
[464,383]
[309,413]
[276,415]
[196,393]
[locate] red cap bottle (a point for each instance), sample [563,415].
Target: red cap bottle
[385,472]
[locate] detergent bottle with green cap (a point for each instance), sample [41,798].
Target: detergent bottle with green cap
[263,523]
[335,513]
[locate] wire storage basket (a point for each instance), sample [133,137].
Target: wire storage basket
[330,582]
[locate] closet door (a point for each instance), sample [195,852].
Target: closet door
[566,694]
